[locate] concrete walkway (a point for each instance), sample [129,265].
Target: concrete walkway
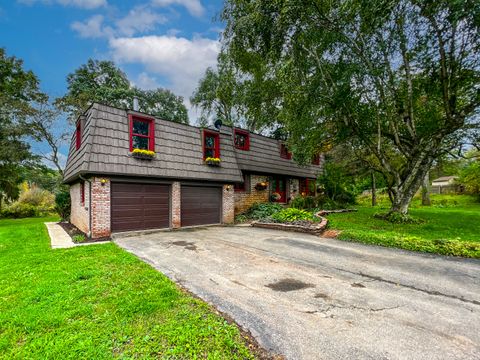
[311,298]
[59,239]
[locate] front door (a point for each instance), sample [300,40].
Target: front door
[279,187]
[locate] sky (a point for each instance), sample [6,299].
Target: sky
[157,43]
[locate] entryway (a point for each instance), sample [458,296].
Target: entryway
[279,186]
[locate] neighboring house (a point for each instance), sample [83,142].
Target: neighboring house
[113,191]
[445,184]
[444,181]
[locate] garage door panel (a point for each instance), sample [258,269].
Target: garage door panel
[200,205]
[140,206]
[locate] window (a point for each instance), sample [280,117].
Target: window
[78,134]
[211,144]
[142,133]
[284,153]
[82,192]
[307,187]
[239,187]
[316,159]
[242,139]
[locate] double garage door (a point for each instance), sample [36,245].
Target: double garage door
[147,206]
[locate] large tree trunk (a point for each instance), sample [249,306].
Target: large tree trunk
[404,192]
[426,190]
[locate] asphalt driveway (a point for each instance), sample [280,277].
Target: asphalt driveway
[311,298]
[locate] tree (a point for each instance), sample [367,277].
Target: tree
[399,78]
[219,95]
[103,82]
[161,103]
[95,81]
[48,125]
[18,90]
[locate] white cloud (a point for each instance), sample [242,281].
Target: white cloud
[83,4]
[139,19]
[194,7]
[145,82]
[181,61]
[92,28]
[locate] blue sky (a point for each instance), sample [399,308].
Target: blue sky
[167,43]
[158,43]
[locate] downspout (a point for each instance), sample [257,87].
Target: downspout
[89,204]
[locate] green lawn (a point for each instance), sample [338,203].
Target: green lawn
[98,302]
[451,226]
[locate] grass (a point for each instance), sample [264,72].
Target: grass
[98,302]
[451,226]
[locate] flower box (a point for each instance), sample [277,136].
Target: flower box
[211,161]
[143,154]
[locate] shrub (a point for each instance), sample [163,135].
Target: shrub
[20,210]
[304,202]
[79,238]
[37,197]
[62,201]
[241,218]
[263,210]
[292,214]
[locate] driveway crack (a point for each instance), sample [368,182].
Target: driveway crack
[412,287]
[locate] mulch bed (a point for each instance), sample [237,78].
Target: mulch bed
[72,230]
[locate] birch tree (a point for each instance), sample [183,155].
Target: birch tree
[397,78]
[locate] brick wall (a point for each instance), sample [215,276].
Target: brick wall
[228,204]
[79,213]
[245,199]
[100,207]
[176,209]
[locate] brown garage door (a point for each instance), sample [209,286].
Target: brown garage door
[140,206]
[200,205]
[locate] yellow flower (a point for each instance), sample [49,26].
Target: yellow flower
[212,159]
[143,152]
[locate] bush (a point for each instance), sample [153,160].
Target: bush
[62,201]
[79,238]
[292,214]
[20,210]
[304,202]
[37,197]
[263,210]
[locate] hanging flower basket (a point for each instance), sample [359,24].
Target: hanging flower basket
[143,154]
[261,186]
[212,161]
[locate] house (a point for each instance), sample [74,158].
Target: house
[114,188]
[444,181]
[445,185]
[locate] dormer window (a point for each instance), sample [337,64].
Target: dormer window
[78,134]
[284,152]
[142,133]
[316,159]
[242,139]
[211,144]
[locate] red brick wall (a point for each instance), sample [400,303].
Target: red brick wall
[100,207]
[176,209]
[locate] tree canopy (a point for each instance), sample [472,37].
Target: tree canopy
[398,80]
[19,89]
[103,82]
